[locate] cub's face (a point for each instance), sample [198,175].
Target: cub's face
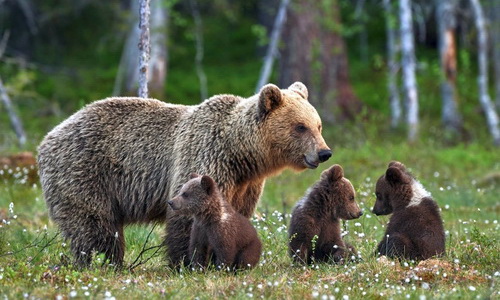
[292,127]
[383,193]
[193,195]
[349,208]
[340,192]
[393,189]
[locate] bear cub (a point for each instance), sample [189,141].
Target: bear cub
[315,231]
[415,230]
[219,234]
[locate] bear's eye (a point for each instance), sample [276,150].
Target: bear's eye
[301,128]
[351,198]
[184,194]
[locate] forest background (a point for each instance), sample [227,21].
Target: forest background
[354,56]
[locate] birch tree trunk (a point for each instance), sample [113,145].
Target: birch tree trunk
[484,97]
[392,51]
[272,49]
[127,78]
[408,64]
[198,30]
[144,49]
[445,16]
[14,119]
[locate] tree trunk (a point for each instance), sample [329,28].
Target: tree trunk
[14,120]
[199,49]
[447,48]
[392,51]
[126,82]
[408,63]
[484,97]
[144,49]
[315,54]
[272,49]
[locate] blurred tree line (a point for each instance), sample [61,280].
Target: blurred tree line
[57,55]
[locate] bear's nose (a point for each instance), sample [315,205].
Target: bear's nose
[324,155]
[170,202]
[360,213]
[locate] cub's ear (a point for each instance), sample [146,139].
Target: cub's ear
[397,164]
[300,89]
[207,184]
[397,176]
[334,173]
[270,98]
[193,175]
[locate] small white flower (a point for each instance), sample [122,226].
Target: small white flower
[472,288]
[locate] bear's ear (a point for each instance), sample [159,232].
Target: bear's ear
[270,98]
[397,164]
[207,184]
[397,176]
[334,173]
[300,89]
[337,172]
[193,175]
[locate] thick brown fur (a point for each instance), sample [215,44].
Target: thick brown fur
[415,230]
[118,161]
[219,233]
[315,232]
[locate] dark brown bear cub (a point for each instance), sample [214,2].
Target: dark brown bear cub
[219,233]
[415,230]
[315,233]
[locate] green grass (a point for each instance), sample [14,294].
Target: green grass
[34,258]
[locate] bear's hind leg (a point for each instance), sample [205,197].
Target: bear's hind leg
[396,245]
[249,257]
[95,235]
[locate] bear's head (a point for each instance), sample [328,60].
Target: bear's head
[291,127]
[339,194]
[195,195]
[397,189]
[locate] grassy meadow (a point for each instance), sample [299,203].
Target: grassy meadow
[35,262]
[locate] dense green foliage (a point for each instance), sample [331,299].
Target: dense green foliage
[462,175]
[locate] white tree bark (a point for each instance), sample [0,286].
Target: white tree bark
[484,97]
[409,65]
[144,49]
[445,16]
[127,78]
[198,30]
[14,119]
[272,49]
[392,50]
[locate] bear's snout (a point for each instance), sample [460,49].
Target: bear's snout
[324,155]
[173,205]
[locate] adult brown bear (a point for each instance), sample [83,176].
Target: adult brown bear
[118,161]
